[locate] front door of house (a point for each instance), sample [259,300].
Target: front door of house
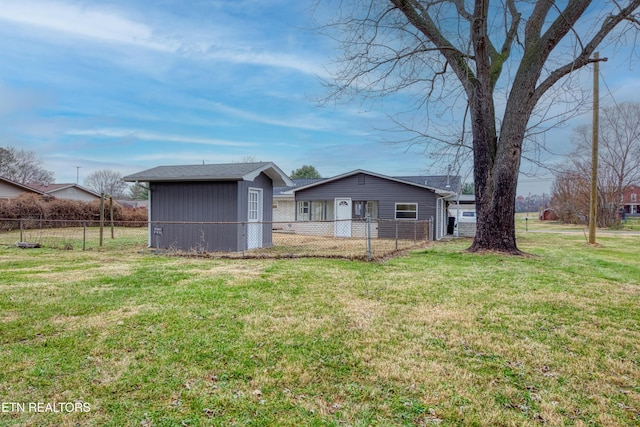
[343,217]
[254,225]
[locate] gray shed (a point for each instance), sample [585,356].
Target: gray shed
[212,207]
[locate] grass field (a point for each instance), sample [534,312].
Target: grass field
[436,337]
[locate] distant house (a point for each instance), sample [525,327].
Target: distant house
[338,206]
[631,200]
[215,207]
[67,192]
[10,189]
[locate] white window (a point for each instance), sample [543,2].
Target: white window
[254,205]
[362,208]
[406,211]
[633,197]
[316,210]
[304,211]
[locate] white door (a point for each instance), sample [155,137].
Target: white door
[254,226]
[343,218]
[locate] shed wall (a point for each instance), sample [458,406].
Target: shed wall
[266,184]
[195,202]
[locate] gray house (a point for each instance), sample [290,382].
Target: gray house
[210,208]
[338,206]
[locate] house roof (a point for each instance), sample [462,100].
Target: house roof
[443,182]
[298,182]
[212,172]
[415,181]
[21,186]
[53,188]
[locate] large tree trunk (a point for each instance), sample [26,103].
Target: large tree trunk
[496,184]
[496,168]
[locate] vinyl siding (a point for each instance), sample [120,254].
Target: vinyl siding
[195,202]
[222,202]
[386,192]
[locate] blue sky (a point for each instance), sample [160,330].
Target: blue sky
[129,85]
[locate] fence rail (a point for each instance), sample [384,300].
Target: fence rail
[351,239]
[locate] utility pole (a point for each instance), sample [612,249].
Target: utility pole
[593,202]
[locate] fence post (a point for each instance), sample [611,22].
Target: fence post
[111,213]
[21,231]
[84,235]
[396,234]
[369,254]
[101,218]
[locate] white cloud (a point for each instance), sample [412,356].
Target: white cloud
[82,22]
[111,26]
[308,122]
[149,136]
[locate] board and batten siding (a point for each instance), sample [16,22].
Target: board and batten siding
[222,202]
[195,202]
[387,192]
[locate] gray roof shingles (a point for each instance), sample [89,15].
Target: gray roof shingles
[205,172]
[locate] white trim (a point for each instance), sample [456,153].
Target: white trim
[395,211]
[254,225]
[342,226]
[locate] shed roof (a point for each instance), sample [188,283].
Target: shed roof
[213,172]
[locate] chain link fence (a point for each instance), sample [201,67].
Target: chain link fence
[350,239]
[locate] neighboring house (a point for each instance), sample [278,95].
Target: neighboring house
[631,200]
[10,189]
[67,192]
[338,206]
[186,202]
[462,215]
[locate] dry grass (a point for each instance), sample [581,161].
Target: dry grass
[438,337]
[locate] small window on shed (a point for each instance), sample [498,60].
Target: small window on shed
[361,179]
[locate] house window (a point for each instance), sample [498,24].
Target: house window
[633,197]
[304,212]
[362,208]
[315,210]
[406,211]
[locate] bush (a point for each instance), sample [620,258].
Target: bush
[51,212]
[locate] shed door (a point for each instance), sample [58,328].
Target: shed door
[254,226]
[343,218]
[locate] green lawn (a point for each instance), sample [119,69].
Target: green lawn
[437,337]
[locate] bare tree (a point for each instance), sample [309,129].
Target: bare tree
[106,181]
[618,166]
[498,59]
[23,167]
